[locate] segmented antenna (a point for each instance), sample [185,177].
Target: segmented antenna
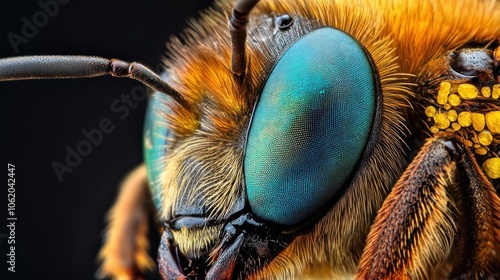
[238,28]
[78,66]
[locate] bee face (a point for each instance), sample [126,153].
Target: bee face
[209,179]
[246,125]
[297,167]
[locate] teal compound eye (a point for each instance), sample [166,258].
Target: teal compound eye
[156,136]
[310,126]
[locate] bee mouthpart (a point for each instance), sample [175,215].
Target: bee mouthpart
[168,258]
[223,266]
[228,256]
[219,264]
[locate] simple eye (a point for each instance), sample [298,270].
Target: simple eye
[155,142]
[310,126]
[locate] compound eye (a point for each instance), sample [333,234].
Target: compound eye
[310,126]
[156,136]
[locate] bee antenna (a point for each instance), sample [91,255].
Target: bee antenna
[79,66]
[238,28]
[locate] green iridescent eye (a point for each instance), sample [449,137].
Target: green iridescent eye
[310,127]
[155,142]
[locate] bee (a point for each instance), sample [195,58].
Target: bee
[313,139]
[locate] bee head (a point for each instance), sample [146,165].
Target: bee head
[266,144]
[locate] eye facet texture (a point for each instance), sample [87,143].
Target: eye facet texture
[155,142]
[310,126]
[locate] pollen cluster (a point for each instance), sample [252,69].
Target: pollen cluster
[470,111]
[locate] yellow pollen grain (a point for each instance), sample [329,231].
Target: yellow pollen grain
[467,91]
[441,120]
[444,90]
[469,143]
[486,91]
[478,121]
[477,146]
[493,121]
[447,106]
[496,92]
[456,126]
[481,151]
[492,168]
[430,111]
[465,119]
[454,100]
[485,137]
[452,115]
[434,129]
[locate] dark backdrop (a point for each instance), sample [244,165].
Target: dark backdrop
[59,224]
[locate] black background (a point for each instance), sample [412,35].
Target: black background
[59,224]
